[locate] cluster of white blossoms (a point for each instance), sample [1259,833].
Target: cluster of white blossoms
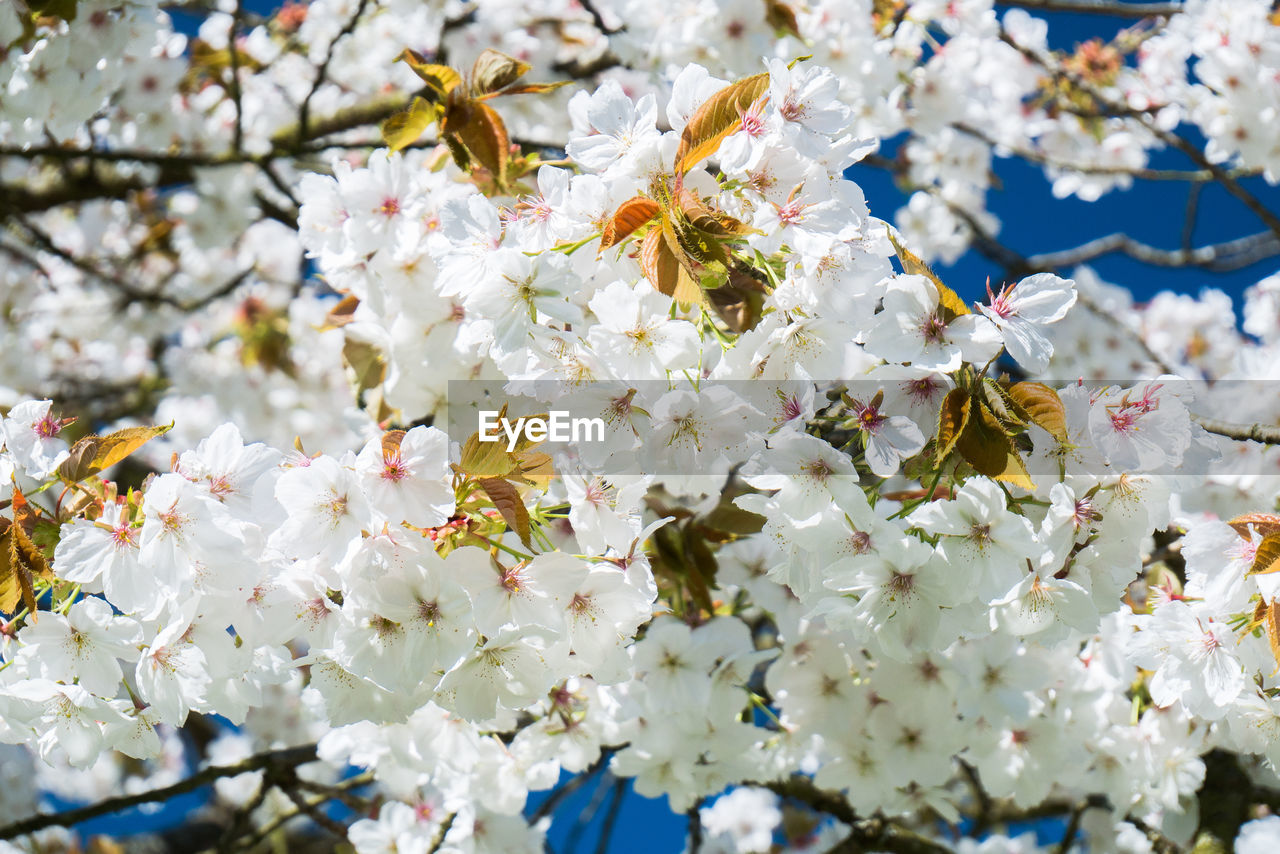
[826,551]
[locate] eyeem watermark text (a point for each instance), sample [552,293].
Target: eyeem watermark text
[558,426]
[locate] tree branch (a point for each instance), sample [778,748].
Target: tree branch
[1261,433]
[1218,257]
[874,834]
[288,758]
[1169,138]
[1098,7]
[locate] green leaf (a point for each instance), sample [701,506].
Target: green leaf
[404,128]
[983,443]
[716,119]
[953,417]
[93,454]
[367,362]
[440,78]
[486,459]
[507,499]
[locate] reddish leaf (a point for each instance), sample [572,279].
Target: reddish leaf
[630,215]
[716,119]
[663,266]
[480,129]
[1263,523]
[507,499]
[342,313]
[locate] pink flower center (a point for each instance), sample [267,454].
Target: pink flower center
[791,213]
[934,330]
[792,110]
[389,207]
[122,536]
[869,419]
[921,390]
[752,121]
[48,427]
[394,469]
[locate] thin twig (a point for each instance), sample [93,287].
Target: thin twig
[289,757]
[311,808]
[233,88]
[695,827]
[611,817]
[1189,218]
[1229,183]
[1073,828]
[322,73]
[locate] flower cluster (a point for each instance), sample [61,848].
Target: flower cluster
[845,540]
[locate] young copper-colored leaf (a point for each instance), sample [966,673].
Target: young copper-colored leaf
[507,499]
[20,564]
[1271,620]
[391,444]
[494,70]
[948,300]
[481,130]
[953,417]
[781,17]
[664,268]
[525,89]
[1042,406]
[1263,523]
[441,78]
[716,119]
[24,512]
[93,454]
[630,215]
[403,129]
[739,306]
[342,313]
[1267,558]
